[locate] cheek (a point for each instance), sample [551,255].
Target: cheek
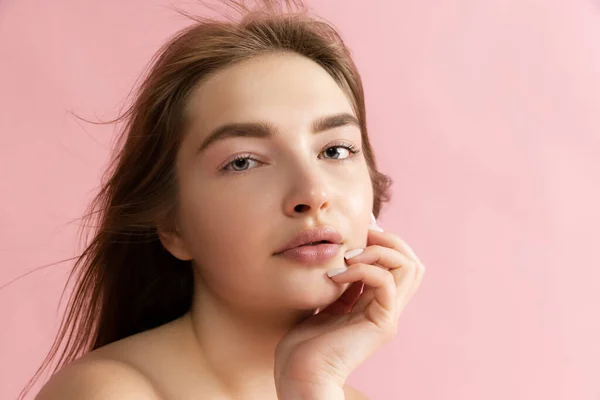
[359,217]
[359,191]
[223,227]
[358,205]
[228,254]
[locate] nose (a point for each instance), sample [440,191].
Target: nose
[308,196]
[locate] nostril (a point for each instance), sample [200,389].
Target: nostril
[301,208]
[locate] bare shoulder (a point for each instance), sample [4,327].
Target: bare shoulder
[353,394]
[98,379]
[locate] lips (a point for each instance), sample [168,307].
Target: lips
[317,254]
[310,237]
[314,243]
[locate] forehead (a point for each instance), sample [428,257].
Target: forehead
[287,90]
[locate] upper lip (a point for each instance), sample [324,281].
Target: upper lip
[326,233]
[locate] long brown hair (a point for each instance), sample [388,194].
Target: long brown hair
[125,281]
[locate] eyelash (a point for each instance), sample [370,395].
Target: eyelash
[348,146]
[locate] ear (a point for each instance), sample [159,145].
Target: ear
[174,243]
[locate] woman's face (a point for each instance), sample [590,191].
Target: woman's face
[235,215]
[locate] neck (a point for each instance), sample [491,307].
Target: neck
[238,344]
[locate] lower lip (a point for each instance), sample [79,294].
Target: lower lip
[312,254]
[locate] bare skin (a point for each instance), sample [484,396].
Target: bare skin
[153,365]
[247,299]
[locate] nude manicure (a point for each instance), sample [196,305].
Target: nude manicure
[336,271]
[352,253]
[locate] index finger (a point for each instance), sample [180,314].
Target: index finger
[391,240]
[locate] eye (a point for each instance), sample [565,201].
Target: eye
[347,151]
[240,163]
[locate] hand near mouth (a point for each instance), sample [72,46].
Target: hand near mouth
[318,355]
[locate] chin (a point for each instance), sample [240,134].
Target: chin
[316,295]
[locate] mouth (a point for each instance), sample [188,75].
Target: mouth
[315,243]
[312,253]
[316,238]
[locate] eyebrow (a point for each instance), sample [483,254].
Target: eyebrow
[265,130]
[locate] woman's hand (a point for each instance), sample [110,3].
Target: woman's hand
[319,354]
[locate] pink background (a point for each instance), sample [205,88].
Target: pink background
[485,113]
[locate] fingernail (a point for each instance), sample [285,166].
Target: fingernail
[373,220]
[352,253]
[374,225]
[336,271]
[375,228]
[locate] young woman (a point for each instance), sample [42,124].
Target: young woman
[235,254]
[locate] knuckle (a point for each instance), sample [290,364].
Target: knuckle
[390,329]
[414,265]
[363,266]
[389,278]
[396,241]
[387,326]
[377,248]
[360,267]
[390,283]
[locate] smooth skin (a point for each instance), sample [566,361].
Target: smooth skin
[251,332]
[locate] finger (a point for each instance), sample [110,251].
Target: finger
[387,239]
[418,278]
[406,282]
[386,258]
[383,256]
[345,302]
[351,294]
[406,272]
[393,241]
[380,280]
[404,279]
